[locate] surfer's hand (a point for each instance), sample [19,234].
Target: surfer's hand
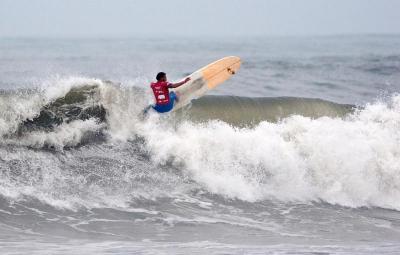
[187,79]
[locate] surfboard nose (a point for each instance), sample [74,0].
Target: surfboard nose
[220,70]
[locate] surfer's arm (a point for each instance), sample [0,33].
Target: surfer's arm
[175,85]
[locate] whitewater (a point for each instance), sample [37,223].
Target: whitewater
[302,156]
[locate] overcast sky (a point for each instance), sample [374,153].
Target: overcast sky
[130,18]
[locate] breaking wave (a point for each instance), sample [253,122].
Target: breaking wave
[103,151]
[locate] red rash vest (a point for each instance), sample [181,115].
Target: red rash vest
[161,92]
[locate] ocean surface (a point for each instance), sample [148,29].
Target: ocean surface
[298,153]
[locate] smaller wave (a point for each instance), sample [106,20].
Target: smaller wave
[382,65]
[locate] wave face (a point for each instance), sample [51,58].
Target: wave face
[246,111]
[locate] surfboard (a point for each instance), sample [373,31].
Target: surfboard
[206,79]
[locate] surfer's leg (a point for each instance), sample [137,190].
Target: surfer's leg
[173,97]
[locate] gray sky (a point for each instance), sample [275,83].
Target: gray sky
[130,18]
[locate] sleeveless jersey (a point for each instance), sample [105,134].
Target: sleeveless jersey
[161,92]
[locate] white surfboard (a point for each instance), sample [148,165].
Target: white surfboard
[206,79]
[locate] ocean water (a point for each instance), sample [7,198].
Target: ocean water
[299,153]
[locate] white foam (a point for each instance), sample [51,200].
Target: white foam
[68,134]
[57,87]
[15,108]
[352,162]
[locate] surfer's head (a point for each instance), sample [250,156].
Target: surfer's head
[161,76]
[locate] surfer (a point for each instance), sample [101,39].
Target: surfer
[164,98]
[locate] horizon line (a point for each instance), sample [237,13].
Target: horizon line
[143,36]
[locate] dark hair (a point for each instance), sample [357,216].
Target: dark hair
[160,75]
